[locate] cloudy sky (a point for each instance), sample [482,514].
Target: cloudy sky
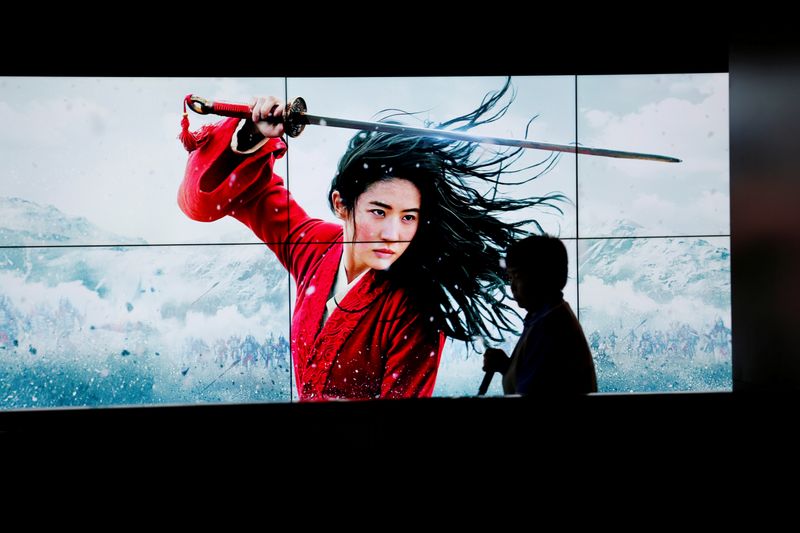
[685,116]
[106,148]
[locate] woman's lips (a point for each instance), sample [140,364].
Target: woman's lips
[383,252]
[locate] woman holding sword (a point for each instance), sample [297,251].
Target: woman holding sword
[415,259]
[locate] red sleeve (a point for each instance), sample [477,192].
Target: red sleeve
[220,182]
[413,360]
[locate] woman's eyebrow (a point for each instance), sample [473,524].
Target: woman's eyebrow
[387,206]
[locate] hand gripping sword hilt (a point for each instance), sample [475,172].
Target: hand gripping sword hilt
[294,120]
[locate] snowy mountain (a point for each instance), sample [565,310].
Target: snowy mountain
[661,268]
[28,223]
[657,310]
[135,324]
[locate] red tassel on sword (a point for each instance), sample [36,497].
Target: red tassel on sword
[188,138]
[193,140]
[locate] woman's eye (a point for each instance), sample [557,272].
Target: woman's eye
[378,212]
[409,218]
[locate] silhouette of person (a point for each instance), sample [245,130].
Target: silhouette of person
[552,354]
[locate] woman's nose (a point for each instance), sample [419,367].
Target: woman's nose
[390,230]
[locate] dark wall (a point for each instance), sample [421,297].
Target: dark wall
[765,216]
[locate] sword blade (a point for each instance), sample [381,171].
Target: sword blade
[401,129]
[298,118]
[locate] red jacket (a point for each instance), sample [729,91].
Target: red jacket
[374,345]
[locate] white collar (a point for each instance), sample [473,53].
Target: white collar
[340,289]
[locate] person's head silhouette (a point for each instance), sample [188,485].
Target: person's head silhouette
[537,270]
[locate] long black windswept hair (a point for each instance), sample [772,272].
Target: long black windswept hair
[452,269]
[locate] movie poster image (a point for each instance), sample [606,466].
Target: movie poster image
[111,295]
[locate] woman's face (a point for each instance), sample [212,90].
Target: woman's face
[381,225]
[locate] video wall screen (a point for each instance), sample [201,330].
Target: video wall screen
[133,272]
